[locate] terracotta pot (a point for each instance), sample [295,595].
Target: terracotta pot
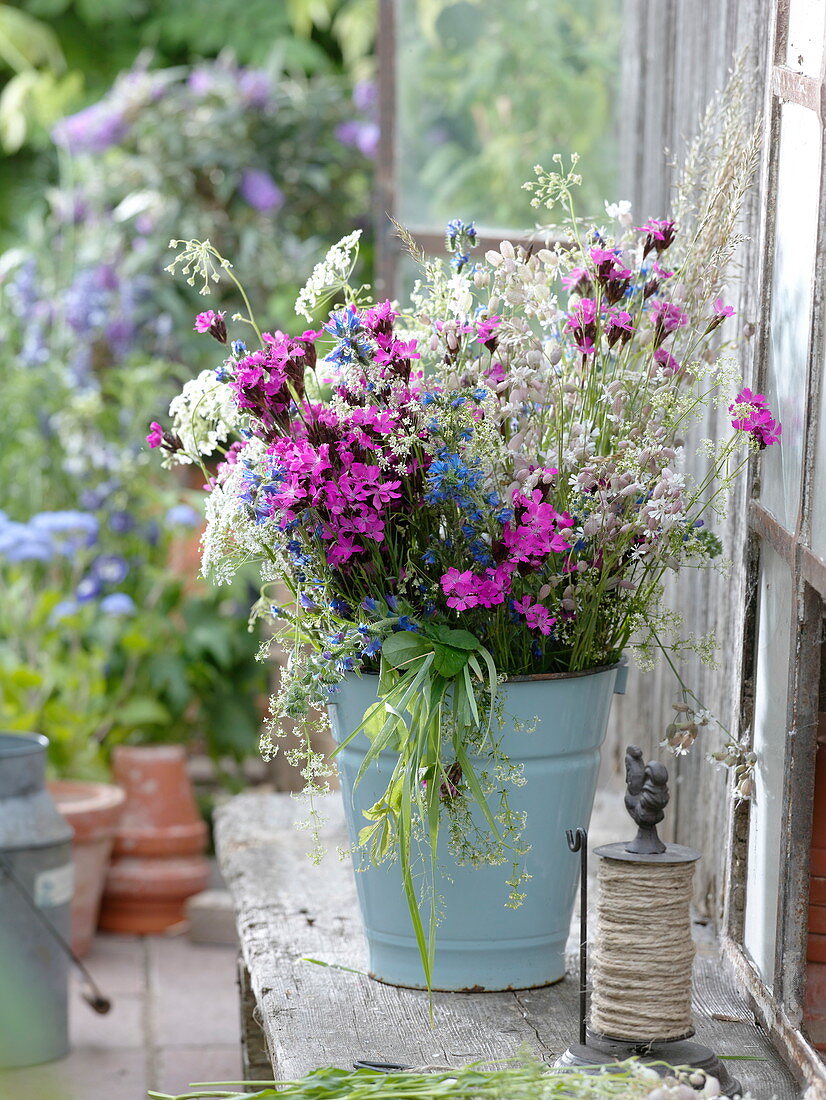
[158,855]
[93,811]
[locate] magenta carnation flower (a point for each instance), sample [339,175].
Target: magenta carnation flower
[749,413]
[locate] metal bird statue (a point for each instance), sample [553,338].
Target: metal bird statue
[646,797]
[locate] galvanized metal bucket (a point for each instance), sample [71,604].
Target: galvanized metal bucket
[36,848]
[481,944]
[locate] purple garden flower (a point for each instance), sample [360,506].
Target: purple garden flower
[260,191]
[92,130]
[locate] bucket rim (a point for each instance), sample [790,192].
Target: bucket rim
[14,744]
[531,677]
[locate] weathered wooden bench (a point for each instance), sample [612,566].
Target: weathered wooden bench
[299,1015]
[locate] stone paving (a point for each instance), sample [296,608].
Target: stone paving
[174,1020]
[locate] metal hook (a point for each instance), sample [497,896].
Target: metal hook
[578,842]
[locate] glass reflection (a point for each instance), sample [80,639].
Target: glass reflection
[489,88]
[798,190]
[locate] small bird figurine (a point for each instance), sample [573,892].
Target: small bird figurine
[646,797]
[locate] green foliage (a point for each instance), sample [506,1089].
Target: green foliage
[521,1078]
[488,88]
[437,692]
[39,89]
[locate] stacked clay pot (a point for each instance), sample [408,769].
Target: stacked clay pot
[93,810]
[158,858]
[815,1004]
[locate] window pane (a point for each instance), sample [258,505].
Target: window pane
[798,187]
[804,50]
[489,88]
[770,733]
[817,498]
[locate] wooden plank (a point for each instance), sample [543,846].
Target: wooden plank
[289,910]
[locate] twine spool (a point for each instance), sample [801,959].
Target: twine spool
[641,963]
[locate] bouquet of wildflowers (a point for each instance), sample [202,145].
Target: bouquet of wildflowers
[486,484]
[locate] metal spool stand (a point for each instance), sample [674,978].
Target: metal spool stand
[597,1050]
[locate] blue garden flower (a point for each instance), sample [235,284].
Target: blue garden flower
[87,589]
[372,648]
[110,568]
[118,603]
[182,515]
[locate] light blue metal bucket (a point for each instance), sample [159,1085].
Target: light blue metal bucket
[480,943]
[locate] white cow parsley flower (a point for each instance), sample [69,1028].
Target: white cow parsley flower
[203,414]
[329,275]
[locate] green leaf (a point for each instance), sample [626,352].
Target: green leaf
[449,662]
[142,711]
[459,639]
[402,648]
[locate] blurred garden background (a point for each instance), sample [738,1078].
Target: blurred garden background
[125,123]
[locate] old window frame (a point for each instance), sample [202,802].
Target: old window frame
[781,1007]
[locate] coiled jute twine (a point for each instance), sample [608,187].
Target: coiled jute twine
[641,963]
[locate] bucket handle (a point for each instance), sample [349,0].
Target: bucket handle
[622,677]
[90,992]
